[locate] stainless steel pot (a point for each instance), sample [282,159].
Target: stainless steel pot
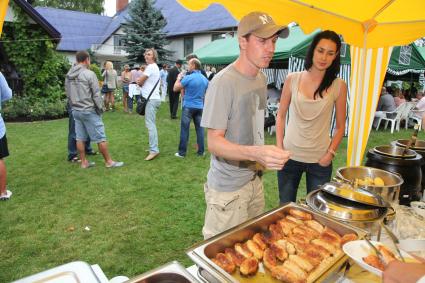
[172,272]
[394,151]
[389,192]
[363,216]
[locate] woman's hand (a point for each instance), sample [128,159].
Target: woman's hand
[326,159]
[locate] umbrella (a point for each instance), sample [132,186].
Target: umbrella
[370,27]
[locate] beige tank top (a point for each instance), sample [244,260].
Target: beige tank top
[309,121]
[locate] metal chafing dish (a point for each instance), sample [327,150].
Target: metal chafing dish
[73,272]
[359,195]
[360,215]
[172,272]
[389,192]
[202,253]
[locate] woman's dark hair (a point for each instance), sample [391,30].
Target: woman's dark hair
[333,70]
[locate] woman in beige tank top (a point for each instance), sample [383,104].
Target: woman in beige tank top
[309,98]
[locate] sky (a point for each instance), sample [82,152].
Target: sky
[109,7]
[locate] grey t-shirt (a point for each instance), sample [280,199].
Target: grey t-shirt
[386,103]
[235,103]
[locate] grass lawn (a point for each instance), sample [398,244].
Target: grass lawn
[139,216]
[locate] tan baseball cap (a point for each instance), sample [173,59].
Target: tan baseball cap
[262,25]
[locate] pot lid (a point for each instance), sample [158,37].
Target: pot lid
[343,209]
[420,144]
[394,151]
[359,195]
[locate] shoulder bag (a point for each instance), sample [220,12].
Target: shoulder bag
[105,88]
[141,103]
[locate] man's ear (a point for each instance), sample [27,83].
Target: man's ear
[242,42]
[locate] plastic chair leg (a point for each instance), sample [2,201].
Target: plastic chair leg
[379,123]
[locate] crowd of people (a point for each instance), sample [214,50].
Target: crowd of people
[231,106]
[390,100]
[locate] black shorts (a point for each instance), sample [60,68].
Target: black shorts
[4,151]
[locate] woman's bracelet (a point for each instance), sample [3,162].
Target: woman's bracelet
[331,151]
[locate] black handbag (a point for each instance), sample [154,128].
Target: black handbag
[141,103]
[105,88]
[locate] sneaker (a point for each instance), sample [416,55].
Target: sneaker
[6,196]
[178,155]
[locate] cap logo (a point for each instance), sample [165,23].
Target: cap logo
[264,19]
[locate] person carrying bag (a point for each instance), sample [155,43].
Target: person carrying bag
[105,88]
[141,103]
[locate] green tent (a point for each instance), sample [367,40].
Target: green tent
[300,50]
[421,50]
[225,51]
[219,52]
[405,59]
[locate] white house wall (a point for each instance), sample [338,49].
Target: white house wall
[10,16]
[177,44]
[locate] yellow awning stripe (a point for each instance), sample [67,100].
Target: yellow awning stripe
[3,10]
[365,89]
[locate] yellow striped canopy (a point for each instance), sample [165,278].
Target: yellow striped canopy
[3,10]
[370,27]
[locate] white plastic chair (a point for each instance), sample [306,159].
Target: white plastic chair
[407,112]
[416,116]
[394,117]
[272,108]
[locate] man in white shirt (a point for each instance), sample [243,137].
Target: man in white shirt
[149,83]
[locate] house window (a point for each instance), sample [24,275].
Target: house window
[216,36]
[118,44]
[188,45]
[405,54]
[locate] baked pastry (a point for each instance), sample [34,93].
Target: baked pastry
[249,266]
[374,261]
[296,248]
[225,262]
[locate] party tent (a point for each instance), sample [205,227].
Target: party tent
[371,28]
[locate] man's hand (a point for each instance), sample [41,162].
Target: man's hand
[401,272]
[272,157]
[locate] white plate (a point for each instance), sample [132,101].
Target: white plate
[418,207]
[359,249]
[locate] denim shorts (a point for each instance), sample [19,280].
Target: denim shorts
[89,124]
[4,151]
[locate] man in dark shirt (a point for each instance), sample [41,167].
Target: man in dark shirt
[173,96]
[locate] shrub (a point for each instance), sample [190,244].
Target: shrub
[41,68]
[95,68]
[26,109]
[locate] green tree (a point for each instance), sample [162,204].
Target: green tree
[144,30]
[41,67]
[88,6]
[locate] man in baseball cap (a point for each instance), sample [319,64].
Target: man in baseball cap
[233,114]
